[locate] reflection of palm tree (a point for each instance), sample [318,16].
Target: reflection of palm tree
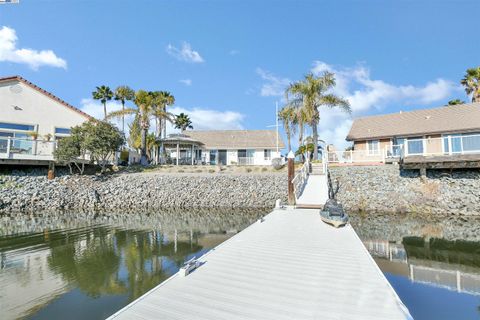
[94,270]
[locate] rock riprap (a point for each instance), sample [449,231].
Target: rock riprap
[141,191]
[387,189]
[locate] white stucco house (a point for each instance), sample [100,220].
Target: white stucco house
[225,147]
[31,120]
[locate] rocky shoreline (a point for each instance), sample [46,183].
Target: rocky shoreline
[386,189]
[129,191]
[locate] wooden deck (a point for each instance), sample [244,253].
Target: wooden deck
[291,265]
[459,161]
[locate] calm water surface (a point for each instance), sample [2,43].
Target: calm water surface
[87,266]
[84,266]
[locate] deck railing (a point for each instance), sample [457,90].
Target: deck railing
[245,161]
[21,148]
[356,156]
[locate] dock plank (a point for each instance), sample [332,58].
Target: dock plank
[291,266]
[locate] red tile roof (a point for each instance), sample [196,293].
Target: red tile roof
[48,94]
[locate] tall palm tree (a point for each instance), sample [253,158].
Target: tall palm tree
[123,94]
[471,82]
[311,93]
[167,100]
[288,115]
[144,102]
[160,100]
[183,122]
[104,94]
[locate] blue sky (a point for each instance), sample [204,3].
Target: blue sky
[227,62]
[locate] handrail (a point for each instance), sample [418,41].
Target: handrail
[300,178]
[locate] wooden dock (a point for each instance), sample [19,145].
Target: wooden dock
[289,266]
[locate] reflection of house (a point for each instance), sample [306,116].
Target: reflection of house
[450,131]
[226,147]
[393,258]
[28,283]
[31,120]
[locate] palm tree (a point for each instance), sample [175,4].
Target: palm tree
[183,122]
[310,94]
[160,100]
[455,102]
[471,82]
[104,94]
[124,93]
[144,102]
[288,115]
[167,100]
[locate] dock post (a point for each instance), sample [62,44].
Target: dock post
[51,170]
[291,174]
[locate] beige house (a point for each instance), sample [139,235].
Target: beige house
[227,147]
[31,120]
[448,130]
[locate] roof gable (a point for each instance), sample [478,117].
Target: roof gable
[44,92]
[457,118]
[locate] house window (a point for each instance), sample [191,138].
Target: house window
[415,145]
[267,154]
[16,126]
[373,147]
[62,130]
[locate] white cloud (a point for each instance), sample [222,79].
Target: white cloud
[185,53]
[233,52]
[274,86]
[366,95]
[187,82]
[33,58]
[209,119]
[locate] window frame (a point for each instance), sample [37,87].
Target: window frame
[373,152]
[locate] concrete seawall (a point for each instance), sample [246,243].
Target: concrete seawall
[386,189]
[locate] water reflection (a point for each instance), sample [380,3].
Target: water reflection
[433,264]
[79,266]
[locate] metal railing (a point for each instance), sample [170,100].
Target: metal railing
[300,179]
[245,161]
[354,156]
[21,148]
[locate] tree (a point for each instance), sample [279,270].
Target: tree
[161,99]
[288,115]
[471,82]
[183,122]
[310,94]
[102,140]
[135,133]
[145,103]
[167,100]
[71,150]
[455,102]
[104,94]
[123,94]
[99,139]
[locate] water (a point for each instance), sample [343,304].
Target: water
[84,266]
[87,266]
[433,264]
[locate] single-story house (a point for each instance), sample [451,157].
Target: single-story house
[448,130]
[226,147]
[31,120]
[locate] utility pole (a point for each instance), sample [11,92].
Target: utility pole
[276,125]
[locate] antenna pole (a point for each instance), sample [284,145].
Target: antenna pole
[276,120]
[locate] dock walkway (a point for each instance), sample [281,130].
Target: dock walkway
[290,266]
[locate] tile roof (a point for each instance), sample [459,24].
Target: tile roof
[237,139]
[48,94]
[448,119]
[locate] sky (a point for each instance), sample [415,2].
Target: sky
[228,62]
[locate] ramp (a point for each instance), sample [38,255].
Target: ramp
[289,266]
